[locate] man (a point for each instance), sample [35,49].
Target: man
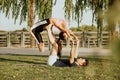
[47,25]
[53,60]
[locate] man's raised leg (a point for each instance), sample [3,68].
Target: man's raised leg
[52,40]
[72,52]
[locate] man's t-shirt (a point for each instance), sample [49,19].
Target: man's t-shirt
[53,60]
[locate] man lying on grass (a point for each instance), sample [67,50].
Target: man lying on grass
[54,60]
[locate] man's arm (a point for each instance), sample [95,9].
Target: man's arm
[77,49]
[72,52]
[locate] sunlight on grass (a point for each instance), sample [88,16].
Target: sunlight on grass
[27,67]
[115,47]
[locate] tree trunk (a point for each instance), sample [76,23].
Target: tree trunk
[31,16]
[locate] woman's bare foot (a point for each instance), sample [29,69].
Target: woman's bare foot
[41,47]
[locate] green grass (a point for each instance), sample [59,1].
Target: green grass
[31,67]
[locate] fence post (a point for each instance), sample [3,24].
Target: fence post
[84,39]
[8,40]
[22,39]
[88,43]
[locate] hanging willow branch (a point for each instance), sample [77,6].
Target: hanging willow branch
[75,11]
[79,6]
[20,8]
[68,9]
[43,8]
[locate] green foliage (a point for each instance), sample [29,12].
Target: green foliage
[103,10]
[68,9]
[84,28]
[78,10]
[2,31]
[15,38]
[43,8]
[87,28]
[115,47]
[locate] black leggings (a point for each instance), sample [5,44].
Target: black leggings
[37,28]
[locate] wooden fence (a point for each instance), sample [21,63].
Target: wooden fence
[22,39]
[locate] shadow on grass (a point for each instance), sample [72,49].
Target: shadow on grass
[10,54]
[23,61]
[89,58]
[30,62]
[95,59]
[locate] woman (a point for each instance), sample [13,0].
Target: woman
[47,24]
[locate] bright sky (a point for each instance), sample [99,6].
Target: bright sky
[58,12]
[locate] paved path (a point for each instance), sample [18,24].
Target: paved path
[65,51]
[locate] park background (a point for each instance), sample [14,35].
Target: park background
[31,65]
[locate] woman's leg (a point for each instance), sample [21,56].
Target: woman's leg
[35,31]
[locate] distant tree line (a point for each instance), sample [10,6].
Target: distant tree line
[87,28]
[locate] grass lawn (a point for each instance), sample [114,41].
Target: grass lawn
[31,67]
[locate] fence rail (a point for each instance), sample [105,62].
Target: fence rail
[22,39]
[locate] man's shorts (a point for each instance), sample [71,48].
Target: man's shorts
[61,63]
[64,63]
[52,59]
